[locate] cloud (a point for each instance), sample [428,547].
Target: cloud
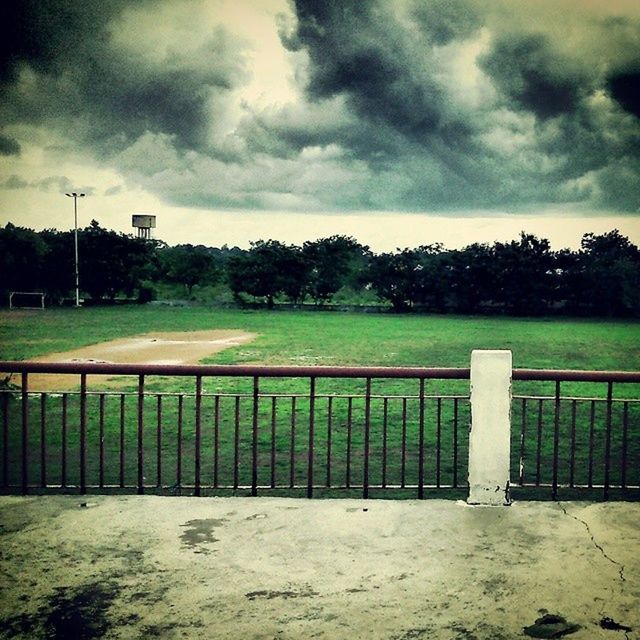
[532,77]
[411,105]
[625,90]
[9,146]
[62,65]
[14,182]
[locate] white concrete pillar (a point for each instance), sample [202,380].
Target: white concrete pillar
[489,438]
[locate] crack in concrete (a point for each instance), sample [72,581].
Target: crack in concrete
[600,548]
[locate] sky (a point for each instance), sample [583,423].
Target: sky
[398,122]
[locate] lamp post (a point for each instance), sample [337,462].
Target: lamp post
[75,197]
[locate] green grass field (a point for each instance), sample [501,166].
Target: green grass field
[307,338]
[339,338]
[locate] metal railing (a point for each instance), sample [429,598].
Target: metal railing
[309,430]
[388,431]
[571,433]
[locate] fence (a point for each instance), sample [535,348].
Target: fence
[309,431]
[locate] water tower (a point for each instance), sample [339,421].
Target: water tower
[143,222]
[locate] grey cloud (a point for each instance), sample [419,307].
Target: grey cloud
[61,184]
[9,146]
[113,191]
[360,50]
[625,89]
[406,105]
[14,182]
[532,76]
[445,20]
[112,96]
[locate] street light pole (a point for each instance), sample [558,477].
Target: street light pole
[75,197]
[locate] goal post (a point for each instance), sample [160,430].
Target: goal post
[26,300]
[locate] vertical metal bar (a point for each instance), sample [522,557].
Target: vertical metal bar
[556,440]
[273,442]
[523,437]
[403,461]
[198,434]
[63,470]
[421,444]
[385,428]
[539,444]
[625,430]
[216,440]
[292,463]
[572,463]
[236,444]
[367,434]
[607,453]
[25,432]
[349,428]
[141,434]
[5,439]
[159,442]
[254,443]
[43,439]
[122,454]
[101,436]
[329,435]
[179,441]
[591,441]
[312,409]
[438,440]
[83,433]
[455,442]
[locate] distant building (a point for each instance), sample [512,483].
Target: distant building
[143,222]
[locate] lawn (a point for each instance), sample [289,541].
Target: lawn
[296,338]
[339,338]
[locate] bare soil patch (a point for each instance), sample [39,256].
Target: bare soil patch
[178,347]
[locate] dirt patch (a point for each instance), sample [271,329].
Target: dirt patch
[179,347]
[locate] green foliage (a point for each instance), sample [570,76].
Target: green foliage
[111,262]
[268,269]
[521,277]
[188,265]
[333,263]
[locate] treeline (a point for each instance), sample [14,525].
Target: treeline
[521,277]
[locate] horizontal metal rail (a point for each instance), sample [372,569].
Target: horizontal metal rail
[277,371]
[573,375]
[260,371]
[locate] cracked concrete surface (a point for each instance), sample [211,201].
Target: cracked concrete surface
[264,568]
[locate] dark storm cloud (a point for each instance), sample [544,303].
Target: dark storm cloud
[358,49]
[537,130]
[9,146]
[625,89]
[77,72]
[403,105]
[534,77]
[445,20]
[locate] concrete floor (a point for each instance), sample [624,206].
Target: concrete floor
[159,567]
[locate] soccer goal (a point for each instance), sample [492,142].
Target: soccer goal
[26,300]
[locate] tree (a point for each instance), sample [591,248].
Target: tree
[268,269]
[523,274]
[609,266]
[22,259]
[332,263]
[393,276]
[432,276]
[188,265]
[110,262]
[471,275]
